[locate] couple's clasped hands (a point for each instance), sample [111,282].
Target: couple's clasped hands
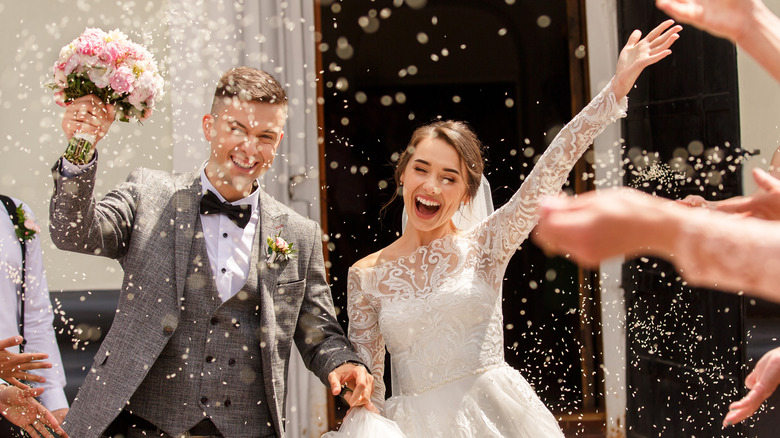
[17,402]
[354,383]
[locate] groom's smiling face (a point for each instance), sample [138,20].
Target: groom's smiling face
[244,137]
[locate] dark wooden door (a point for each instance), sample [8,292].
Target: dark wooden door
[685,346]
[505,68]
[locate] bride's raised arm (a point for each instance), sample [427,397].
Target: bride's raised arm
[516,219]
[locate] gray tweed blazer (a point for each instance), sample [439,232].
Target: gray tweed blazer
[148,225]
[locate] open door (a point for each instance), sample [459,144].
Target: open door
[513,71]
[685,346]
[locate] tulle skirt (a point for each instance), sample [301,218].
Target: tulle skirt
[496,403]
[360,422]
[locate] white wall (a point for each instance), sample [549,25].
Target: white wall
[759,111]
[30,135]
[603,34]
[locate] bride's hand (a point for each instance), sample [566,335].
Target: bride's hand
[639,53]
[371,407]
[353,382]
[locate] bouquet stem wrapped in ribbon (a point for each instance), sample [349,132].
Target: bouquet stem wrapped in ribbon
[111,67]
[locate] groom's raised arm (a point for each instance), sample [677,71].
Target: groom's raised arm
[76,222]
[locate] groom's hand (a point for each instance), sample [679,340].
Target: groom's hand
[88,115]
[353,382]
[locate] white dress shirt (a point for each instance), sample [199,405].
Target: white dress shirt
[38,315]
[229,246]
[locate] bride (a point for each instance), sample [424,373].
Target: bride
[433,297]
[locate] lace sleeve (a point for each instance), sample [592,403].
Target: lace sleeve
[510,225]
[365,336]
[730,252]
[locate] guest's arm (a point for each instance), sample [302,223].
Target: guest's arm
[711,249]
[77,221]
[599,225]
[38,328]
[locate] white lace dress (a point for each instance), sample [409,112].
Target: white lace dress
[438,312]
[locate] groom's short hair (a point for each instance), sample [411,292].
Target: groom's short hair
[250,85]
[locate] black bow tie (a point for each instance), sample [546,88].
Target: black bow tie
[239,214]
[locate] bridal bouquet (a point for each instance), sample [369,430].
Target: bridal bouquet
[113,68]
[110,66]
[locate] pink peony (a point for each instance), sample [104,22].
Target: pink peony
[91,42]
[122,80]
[112,53]
[143,90]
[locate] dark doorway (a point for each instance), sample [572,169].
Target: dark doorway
[502,66]
[685,346]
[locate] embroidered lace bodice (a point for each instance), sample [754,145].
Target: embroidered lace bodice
[438,310]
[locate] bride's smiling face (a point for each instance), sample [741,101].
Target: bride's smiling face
[433,185]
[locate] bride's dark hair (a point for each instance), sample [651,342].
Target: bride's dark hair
[460,136]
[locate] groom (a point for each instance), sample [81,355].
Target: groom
[205,321]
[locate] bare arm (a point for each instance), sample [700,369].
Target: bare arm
[710,248]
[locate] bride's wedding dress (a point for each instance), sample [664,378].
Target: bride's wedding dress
[438,313]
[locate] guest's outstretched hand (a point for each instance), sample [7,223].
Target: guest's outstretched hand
[354,383]
[723,18]
[599,225]
[20,407]
[15,366]
[640,52]
[763,204]
[762,383]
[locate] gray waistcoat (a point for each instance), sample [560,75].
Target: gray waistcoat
[211,365]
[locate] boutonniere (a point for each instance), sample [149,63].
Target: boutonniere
[279,249]
[26,228]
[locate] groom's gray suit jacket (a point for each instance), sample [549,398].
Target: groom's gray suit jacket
[149,224]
